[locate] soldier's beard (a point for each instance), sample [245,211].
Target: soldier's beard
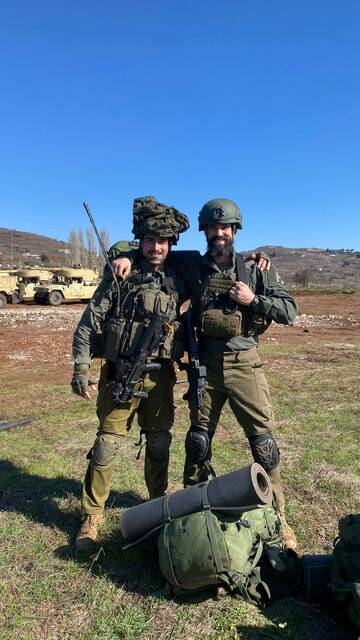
[226,250]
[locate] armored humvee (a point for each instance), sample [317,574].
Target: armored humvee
[29,279]
[8,288]
[71,285]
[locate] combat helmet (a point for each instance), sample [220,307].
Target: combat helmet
[151,217]
[220,211]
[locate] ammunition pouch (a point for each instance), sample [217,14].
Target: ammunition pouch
[96,345]
[215,323]
[114,331]
[124,333]
[219,284]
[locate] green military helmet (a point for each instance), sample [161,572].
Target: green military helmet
[220,211]
[151,217]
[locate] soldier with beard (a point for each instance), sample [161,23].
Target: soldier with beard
[233,305]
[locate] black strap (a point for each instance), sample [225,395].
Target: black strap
[167,521]
[210,529]
[240,269]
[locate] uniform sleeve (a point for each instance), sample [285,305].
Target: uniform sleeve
[92,320]
[186,265]
[275,302]
[123,249]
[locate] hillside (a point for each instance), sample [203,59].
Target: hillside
[323,267]
[20,248]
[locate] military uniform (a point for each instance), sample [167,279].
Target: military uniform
[113,326]
[228,345]
[234,367]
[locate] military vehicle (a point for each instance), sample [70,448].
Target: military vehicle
[71,285]
[8,288]
[29,279]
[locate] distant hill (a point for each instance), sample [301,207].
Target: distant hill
[326,267]
[20,248]
[323,267]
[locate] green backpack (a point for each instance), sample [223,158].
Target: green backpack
[207,548]
[345,581]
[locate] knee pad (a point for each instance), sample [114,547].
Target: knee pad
[158,444]
[105,449]
[265,450]
[198,445]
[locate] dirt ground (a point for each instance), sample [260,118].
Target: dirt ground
[35,344]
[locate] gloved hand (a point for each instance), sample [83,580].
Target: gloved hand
[262,260]
[80,380]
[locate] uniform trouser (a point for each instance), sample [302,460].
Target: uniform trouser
[239,378]
[155,417]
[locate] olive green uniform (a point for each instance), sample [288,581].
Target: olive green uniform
[234,367]
[155,413]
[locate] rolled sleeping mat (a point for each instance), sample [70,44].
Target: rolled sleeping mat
[238,491]
[317,575]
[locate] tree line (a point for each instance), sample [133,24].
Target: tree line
[84,250]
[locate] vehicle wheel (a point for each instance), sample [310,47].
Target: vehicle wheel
[3,300]
[39,299]
[15,299]
[55,298]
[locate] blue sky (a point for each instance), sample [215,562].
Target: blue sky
[254,100]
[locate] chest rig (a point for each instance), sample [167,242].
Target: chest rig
[222,317]
[141,296]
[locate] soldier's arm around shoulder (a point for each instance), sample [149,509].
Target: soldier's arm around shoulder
[92,319]
[274,300]
[186,266]
[123,249]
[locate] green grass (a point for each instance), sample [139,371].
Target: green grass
[48,592]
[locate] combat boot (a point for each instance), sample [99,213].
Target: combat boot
[86,538]
[288,534]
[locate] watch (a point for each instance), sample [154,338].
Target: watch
[254,303]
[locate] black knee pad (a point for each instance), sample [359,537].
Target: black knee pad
[265,450]
[158,444]
[198,445]
[105,449]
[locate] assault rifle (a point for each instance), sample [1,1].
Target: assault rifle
[132,370]
[196,372]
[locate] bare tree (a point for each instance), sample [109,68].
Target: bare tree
[91,248]
[74,246]
[105,237]
[302,277]
[82,247]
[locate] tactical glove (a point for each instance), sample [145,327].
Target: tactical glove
[261,259]
[80,379]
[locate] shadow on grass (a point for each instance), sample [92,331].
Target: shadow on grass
[36,497]
[293,619]
[39,498]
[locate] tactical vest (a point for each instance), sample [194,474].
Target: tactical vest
[222,317]
[140,296]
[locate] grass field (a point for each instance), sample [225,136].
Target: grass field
[48,592]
